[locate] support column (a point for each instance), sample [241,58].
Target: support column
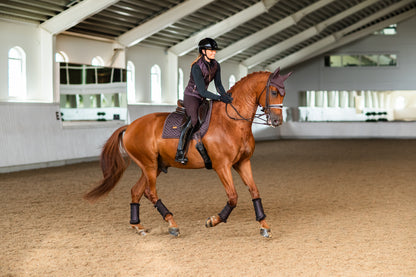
[333,99]
[360,102]
[382,100]
[374,96]
[119,56]
[321,98]
[170,92]
[351,98]
[343,99]
[310,98]
[47,67]
[243,71]
[368,99]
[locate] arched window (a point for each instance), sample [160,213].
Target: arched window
[131,83]
[97,61]
[231,81]
[61,57]
[17,72]
[180,83]
[156,84]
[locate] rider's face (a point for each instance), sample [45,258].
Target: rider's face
[210,54]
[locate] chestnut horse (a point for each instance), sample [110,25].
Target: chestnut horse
[229,142]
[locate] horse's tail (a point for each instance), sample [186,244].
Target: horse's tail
[113,165]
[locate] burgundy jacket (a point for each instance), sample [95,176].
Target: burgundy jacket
[202,73]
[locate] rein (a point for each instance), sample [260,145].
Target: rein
[266,110]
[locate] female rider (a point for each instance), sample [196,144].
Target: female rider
[203,70]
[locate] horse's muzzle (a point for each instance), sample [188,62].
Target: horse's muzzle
[275,120]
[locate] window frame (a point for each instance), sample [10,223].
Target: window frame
[342,60]
[97,61]
[131,82]
[231,81]
[156,84]
[16,85]
[181,88]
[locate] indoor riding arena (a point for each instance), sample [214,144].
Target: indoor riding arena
[302,165]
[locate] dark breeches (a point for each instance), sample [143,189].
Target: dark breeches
[192,104]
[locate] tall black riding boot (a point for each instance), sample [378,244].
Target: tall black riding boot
[202,151]
[184,139]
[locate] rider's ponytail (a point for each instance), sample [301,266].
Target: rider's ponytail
[199,56]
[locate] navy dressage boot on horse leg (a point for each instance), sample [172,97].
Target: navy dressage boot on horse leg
[185,137]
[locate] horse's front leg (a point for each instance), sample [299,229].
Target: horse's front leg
[244,170]
[151,194]
[227,180]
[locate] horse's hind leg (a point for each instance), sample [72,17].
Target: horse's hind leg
[244,170]
[151,194]
[136,194]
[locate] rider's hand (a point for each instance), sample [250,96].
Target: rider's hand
[226,98]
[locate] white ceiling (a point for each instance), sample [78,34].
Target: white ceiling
[266,33]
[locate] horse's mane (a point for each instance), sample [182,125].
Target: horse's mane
[247,79]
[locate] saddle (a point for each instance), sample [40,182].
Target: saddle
[175,120]
[202,111]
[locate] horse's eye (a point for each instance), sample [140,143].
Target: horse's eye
[274,92]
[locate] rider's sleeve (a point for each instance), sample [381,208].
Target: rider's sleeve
[217,81]
[200,84]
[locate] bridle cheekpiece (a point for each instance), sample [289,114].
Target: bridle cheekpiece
[274,80]
[267,106]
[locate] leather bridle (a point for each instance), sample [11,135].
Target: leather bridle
[266,109]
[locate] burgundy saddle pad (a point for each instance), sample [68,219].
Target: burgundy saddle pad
[173,124]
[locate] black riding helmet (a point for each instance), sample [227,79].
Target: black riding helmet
[207,43]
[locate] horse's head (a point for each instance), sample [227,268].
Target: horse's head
[272,99]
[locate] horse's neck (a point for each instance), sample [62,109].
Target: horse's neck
[246,96]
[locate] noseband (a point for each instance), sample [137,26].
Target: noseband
[266,109]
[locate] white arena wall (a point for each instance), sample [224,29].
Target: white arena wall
[313,75]
[31,136]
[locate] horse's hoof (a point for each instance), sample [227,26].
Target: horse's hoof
[265,232]
[209,222]
[174,231]
[141,232]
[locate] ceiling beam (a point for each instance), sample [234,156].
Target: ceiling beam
[31,9]
[222,27]
[42,5]
[22,14]
[302,36]
[326,45]
[271,30]
[74,15]
[372,17]
[145,30]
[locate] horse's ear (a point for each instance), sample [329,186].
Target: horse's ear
[286,76]
[276,72]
